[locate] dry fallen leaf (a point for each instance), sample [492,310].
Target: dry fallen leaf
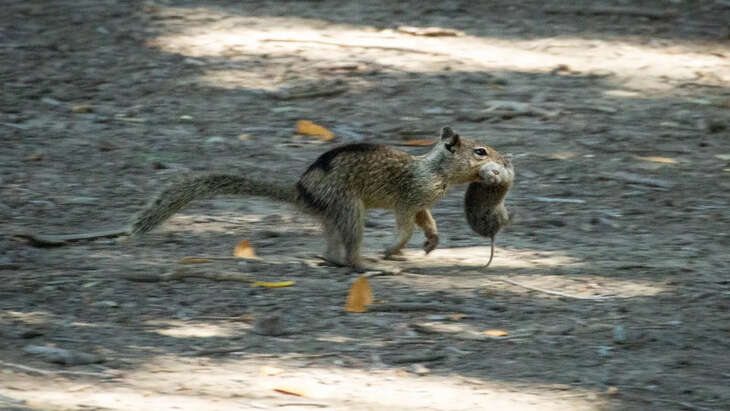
[496,333]
[420,142]
[269,284]
[81,108]
[653,159]
[308,128]
[195,260]
[563,155]
[430,31]
[291,390]
[360,296]
[244,250]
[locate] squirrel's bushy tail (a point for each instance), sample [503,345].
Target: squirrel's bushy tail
[179,194]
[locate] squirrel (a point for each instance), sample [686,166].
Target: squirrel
[341,184]
[484,200]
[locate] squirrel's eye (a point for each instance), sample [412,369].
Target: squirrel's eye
[480,151]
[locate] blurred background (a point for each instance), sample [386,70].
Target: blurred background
[616,112]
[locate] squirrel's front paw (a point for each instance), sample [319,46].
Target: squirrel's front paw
[432,240]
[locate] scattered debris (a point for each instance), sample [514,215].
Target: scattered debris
[45,240]
[558,200]
[620,11]
[429,31]
[57,372]
[542,290]
[637,179]
[63,356]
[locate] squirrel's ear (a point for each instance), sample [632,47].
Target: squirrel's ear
[446,133]
[450,138]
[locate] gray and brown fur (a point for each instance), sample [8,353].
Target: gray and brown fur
[484,200]
[341,184]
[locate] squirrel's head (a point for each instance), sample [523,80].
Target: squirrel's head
[462,158]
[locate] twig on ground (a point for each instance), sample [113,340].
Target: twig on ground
[621,11]
[418,358]
[57,372]
[637,179]
[414,307]
[542,290]
[15,126]
[11,400]
[297,356]
[220,350]
[45,240]
[180,274]
[309,94]
[363,46]
[302,404]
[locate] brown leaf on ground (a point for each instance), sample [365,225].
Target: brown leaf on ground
[360,296]
[298,391]
[272,284]
[308,128]
[244,250]
[195,260]
[430,31]
[420,142]
[82,108]
[655,159]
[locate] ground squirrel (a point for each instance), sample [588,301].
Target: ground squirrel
[484,199]
[341,184]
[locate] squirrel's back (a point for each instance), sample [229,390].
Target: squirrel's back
[378,175]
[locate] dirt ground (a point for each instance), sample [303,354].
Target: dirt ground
[616,114]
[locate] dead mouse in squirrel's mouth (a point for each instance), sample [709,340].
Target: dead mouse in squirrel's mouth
[484,200]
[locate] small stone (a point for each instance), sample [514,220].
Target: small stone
[716,125]
[82,200]
[215,140]
[436,111]
[106,303]
[51,101]
[420,369]
[604,350]
[561,329]
[30,333]
[62,356]
[82,108]
[47,289]
[270,325]
[619,334]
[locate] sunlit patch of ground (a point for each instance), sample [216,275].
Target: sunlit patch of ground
[186,329]
[200,383]
[530,267]
[632,65]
